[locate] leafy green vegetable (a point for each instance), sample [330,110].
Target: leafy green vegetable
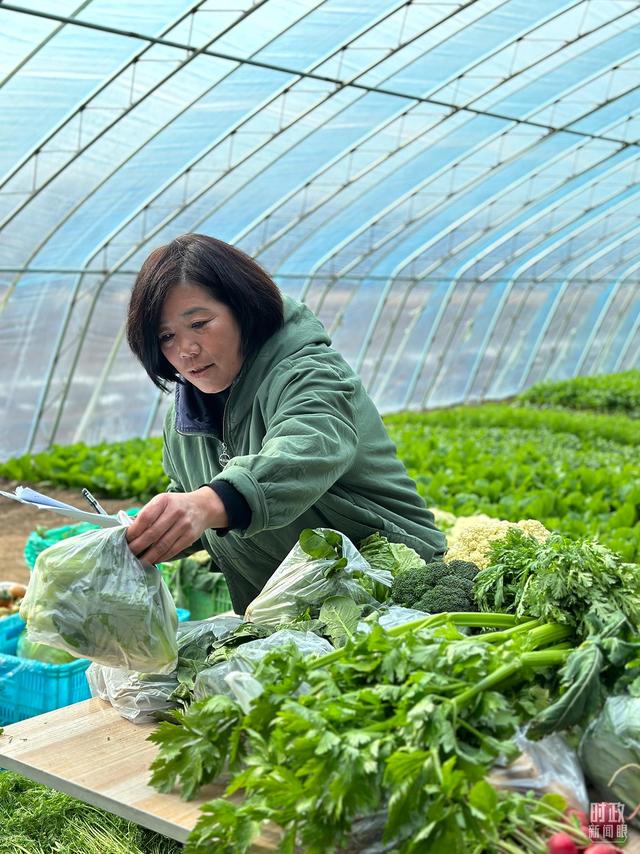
[340,616]
[39,820]
[41,652]
[323,563]
[605,393]
[610,752]
[393,557]
[579,584]
[408,721]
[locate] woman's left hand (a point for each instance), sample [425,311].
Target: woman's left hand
[173,521]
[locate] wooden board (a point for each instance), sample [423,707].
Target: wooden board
[88,751]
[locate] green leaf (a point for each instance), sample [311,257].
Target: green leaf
[340,616]
[483,797]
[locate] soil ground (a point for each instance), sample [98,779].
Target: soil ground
[17,521]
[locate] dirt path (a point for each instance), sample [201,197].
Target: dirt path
[17,521]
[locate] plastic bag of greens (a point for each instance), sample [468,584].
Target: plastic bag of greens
[136,696]
[139,697]
[549,765]
[41,652]
[610,754]
[245,658]
[90,596]
[323,563]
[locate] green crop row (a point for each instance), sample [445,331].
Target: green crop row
[518,464]
[131,469]
[575,472]
[613,393]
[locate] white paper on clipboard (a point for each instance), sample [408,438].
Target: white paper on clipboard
[26,495]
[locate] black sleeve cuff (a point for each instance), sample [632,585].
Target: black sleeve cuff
[238,510]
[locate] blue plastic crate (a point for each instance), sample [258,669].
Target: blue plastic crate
[29,688]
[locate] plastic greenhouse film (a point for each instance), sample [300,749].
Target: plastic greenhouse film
[213,680]
[302,583]
[610,754]
[90,596]
[549,765]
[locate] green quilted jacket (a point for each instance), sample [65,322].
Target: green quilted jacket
[307,449]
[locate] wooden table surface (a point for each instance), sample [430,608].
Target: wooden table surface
[88,751]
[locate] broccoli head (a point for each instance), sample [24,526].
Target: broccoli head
[447,597]
[411,584]
[463,569]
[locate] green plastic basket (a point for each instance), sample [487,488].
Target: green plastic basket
[202,604]
[40,539]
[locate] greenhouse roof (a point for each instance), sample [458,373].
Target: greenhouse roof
[451,186]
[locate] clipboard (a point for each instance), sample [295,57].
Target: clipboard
[33,498]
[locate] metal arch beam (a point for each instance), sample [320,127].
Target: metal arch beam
[169,183]
[440,235]
[451,289]
[611,297]
[489,140]
[550,315]
[486,142]
[619,320]
[627,344]
[269,66]
[471,214]
[505,296]
[433,240]
[194,53]
[45,140]
[600,253]
[470,66]
[42,43]
[606,71]
[64,326]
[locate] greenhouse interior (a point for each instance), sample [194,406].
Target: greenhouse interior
[320,384]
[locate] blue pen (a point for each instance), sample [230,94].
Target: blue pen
[92,501]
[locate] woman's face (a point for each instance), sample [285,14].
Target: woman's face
[200,337]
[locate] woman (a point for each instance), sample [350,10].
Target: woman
[270,431]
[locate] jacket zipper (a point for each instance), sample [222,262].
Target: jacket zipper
[224,456]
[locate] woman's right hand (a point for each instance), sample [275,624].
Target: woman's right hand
[173,521]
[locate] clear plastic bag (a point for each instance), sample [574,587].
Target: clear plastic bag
[610,754]
[302,582]
[136,696]
[546,766]
[394,616]
[213,680]
[90,596]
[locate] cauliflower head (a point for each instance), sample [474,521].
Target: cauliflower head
[471,536]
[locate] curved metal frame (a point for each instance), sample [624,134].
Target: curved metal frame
[273,238]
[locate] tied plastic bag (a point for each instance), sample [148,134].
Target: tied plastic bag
[323,563]
[610,754]
[90,596]
[139,697]
[546,766]
[214,680]
[136,696]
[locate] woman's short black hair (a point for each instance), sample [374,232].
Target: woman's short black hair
[231,277]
